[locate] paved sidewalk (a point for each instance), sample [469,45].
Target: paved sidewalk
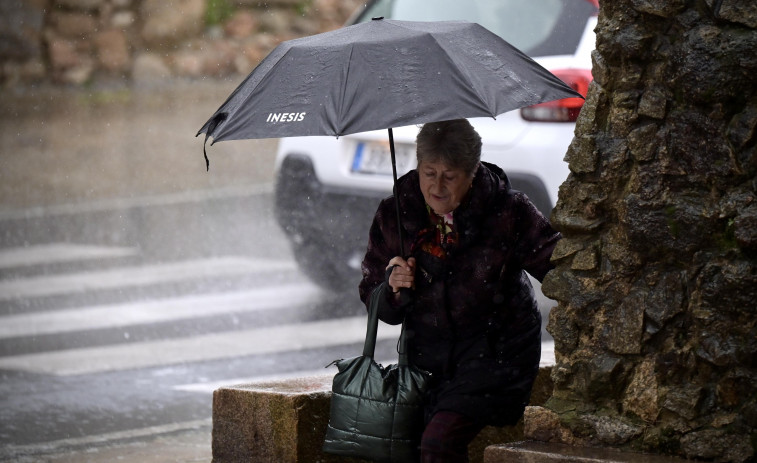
[73,146]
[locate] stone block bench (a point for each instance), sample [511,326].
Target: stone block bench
[542,452]
[285,421]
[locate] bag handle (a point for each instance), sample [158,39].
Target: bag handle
[371,333]
[401,348]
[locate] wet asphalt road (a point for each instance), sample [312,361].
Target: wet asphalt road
[83,381]
[108,220]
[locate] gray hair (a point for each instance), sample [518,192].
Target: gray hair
[454,143]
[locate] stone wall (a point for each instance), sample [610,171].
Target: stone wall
[655,331]
[82,41]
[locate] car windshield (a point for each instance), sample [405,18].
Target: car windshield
[538,28]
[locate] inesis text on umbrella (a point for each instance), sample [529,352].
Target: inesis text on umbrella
[285,117]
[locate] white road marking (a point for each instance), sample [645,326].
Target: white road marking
[209,387]
[269,340]
[547,354]
[154,311]
[135,276]
[547,359]
[88,441]
[191,196]
[59,252]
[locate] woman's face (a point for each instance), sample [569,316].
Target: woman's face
[443,187]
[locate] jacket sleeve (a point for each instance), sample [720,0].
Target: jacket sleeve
[382,247]
[536,238]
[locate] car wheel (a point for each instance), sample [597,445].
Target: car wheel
[326,266]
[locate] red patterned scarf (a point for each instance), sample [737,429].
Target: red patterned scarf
[438,237]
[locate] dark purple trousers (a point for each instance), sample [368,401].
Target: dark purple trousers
[446,438]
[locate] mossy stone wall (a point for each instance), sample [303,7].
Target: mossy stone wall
[656,278]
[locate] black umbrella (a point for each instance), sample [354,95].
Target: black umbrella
[382,74]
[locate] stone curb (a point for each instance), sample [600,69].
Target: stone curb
[285,421]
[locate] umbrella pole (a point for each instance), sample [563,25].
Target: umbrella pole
[396,193]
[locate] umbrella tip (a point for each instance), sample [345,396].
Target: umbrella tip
[377,18]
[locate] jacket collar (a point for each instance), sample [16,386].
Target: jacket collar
[468,216]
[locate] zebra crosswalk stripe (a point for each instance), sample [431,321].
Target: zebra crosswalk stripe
[126,277]
[154,311]
[204,347]
[547,360]
[276,339]
[59,252]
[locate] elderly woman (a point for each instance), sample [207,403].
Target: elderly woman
[471,317]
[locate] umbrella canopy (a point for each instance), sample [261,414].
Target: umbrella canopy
[379,75]
[382,74]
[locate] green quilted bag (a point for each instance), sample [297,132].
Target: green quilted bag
[376,412]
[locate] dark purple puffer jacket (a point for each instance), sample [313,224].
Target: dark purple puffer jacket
[472,319]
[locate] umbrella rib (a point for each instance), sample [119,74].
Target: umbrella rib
[481,98]
[344,90]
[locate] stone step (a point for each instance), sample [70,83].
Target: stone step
[542,452]
[285,421]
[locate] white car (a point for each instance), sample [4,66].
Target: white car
[327,189]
